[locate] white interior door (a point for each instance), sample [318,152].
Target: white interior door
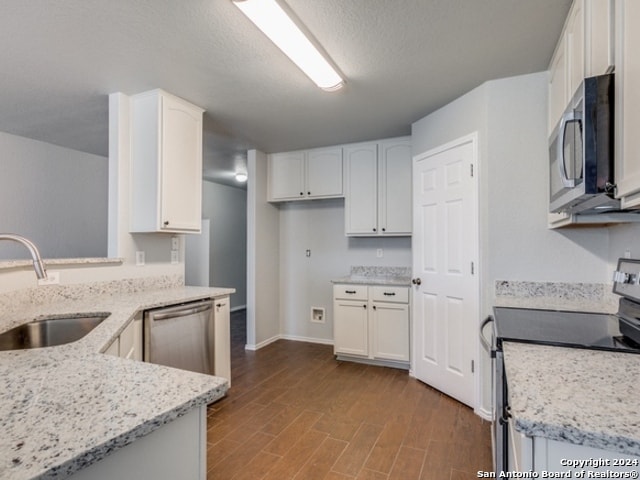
[445,250]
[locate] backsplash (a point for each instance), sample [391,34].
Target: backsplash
[595,297]
[55,293]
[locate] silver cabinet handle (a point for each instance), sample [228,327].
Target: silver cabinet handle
[416,281]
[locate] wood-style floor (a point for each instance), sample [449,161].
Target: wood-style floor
[293,411]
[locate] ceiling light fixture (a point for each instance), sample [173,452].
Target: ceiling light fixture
[269,17]
[241,177]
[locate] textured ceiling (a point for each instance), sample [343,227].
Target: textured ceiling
[402,60]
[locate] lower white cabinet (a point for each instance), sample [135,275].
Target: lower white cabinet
[175,450]
[129,342]
[371,324]
[222,350]
[549,457]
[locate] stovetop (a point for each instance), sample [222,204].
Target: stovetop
[601,331]
[561,328]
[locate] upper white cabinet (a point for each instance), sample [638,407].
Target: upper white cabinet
[627,94]
[378,188]
[166,164]
[584,49]
[305,175]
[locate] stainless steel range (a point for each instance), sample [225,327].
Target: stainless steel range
[598,331]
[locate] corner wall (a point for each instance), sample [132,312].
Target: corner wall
[263,257]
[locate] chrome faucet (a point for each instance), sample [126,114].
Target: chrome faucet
[38,266]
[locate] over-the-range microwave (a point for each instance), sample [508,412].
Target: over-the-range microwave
[581,154]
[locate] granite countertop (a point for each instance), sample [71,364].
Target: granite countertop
[585,397]
[63,408]
[363,275]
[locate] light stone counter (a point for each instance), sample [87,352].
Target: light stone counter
[585,397]
[386,276]
[63,408]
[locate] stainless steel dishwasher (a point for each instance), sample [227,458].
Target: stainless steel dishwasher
[181,336]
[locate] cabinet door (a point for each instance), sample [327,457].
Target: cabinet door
[361,216]
[390,323]
[599,46]
[575,47]
[394,191]
[131,340]
[286,176]
[557,84]
[181,173]
[324,173]
[350,327]
[222,319]
[627,101]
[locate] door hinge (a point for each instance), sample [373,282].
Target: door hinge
[472,269]
[471,165]
[473,366]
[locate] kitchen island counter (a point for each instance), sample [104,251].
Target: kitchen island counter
[63,408]
[584,397]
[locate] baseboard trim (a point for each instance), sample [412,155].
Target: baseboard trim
[295,338]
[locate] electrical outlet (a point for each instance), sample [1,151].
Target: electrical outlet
[627,254]
[379,253]
[174,257]
[53,278]
[175,243]
[140,258]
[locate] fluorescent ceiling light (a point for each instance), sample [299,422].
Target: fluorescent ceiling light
[281,30]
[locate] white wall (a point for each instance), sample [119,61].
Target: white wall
[622,238]
[263,257]
[510,116]
[54,196]
[226,208]
[305,282]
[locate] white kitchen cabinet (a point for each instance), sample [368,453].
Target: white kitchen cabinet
[584,49]
[222,350]
[129,343]
[378,188]
[600,45]
[627,94]
[305,175]
[539,454]
[175,450]
[166,164]
[371,324]
[351,320]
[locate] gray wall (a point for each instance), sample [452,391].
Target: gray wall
[55,196]
[226,207]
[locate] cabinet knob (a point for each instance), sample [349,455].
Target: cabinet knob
[301,193]
[384,229]
[308,193]
[416,281]
[374,307]
[166,222]
[364,306]
[375,229]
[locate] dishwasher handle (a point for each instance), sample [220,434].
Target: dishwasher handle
[183,313]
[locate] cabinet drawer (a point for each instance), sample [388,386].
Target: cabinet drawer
[390,294]
[350,292]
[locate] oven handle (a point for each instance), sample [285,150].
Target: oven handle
[486,344]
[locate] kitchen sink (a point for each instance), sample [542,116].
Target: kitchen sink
[51,331]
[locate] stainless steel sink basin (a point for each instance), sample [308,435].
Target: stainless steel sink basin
[48,332]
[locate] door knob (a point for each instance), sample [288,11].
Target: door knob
[416,281]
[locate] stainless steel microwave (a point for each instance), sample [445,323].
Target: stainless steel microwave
[581,160]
